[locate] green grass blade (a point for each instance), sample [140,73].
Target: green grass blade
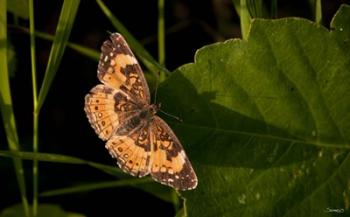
[32,50]
[144,184]
[237,6]
[146,58]
[256,8]
[7,114]
[161,33]
[65,23]
[88,52]
[95,186]
[161,38]
[35,103]
[57,158]
[151,187]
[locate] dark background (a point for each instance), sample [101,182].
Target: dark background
[64,128]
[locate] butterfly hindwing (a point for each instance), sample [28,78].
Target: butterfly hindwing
[132,151]
[170,165]
[118,68]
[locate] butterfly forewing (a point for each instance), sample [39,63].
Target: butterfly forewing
[119,111]
[106,108]
[119,69]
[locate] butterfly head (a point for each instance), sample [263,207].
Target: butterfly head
[149,111]
[154,108]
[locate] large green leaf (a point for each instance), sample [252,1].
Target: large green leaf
[266,121]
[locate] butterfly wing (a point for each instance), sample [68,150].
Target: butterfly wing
[107,108]
[132,151]
[170,165]
[113,107]
[124,92]
[119,69]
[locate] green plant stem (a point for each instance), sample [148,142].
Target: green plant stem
[161,33]
[35,163]
[318,11]
[245,19]
[161,39]
[35,104]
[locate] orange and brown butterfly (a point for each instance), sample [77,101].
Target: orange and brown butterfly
[121,113]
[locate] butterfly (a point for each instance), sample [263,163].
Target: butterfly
[120,112]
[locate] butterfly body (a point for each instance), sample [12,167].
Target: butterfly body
[120,112]
[143,118]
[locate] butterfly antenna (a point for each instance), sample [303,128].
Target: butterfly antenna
[156,89]
[155,102]
[170,115]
